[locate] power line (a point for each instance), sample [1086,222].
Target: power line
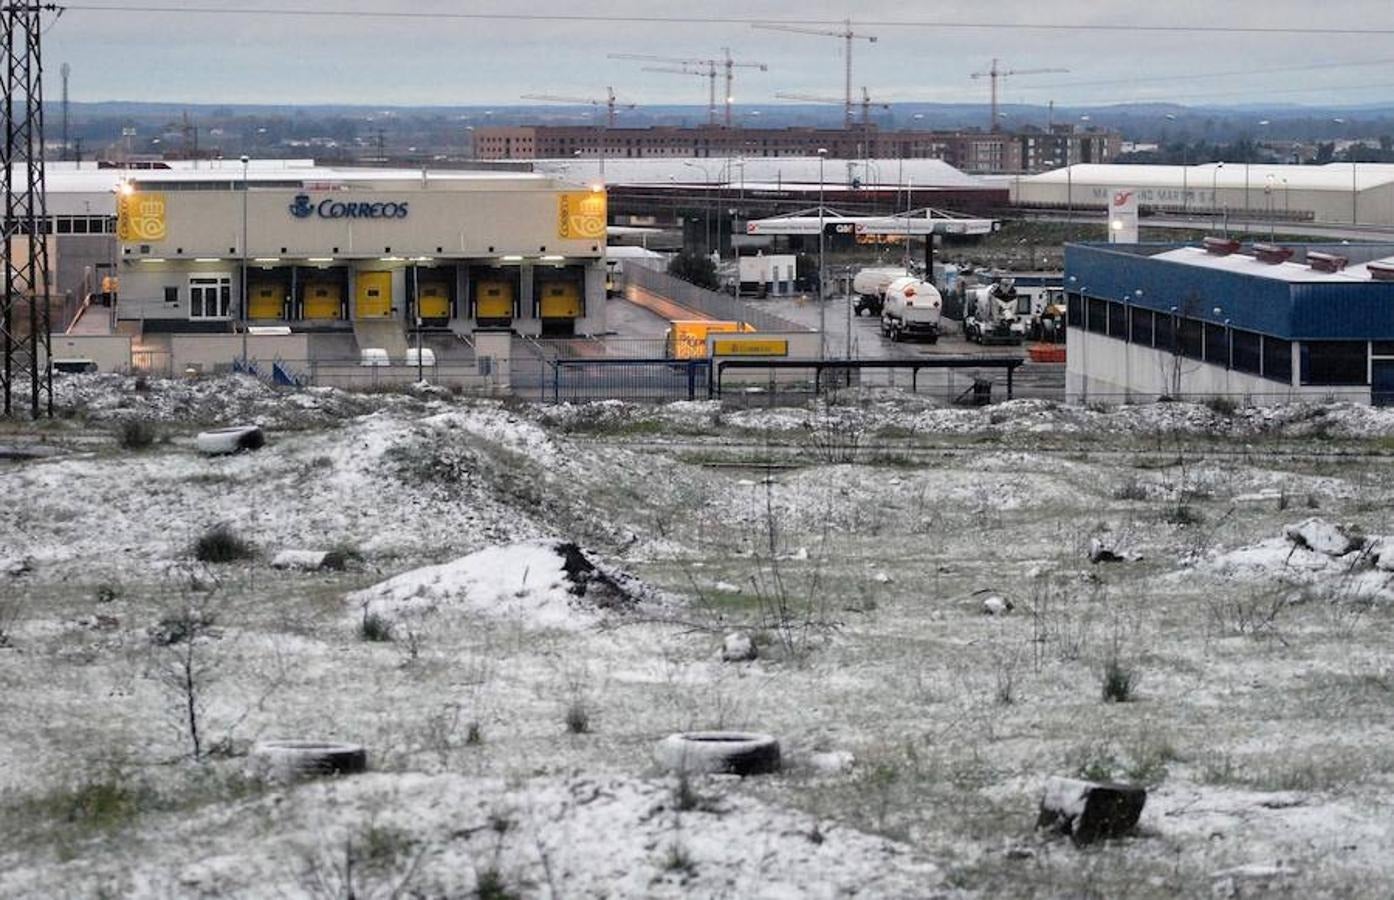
[602,18]
[1203,75]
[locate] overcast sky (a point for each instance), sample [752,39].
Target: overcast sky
[163,56]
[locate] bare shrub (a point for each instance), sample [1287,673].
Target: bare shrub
[376,861]
[374,627]
[137,434]
[577,716]
[220,544]
[1119,679]
[835,439]
[185,671]
[9,617]
[1254,615]
[1132,489]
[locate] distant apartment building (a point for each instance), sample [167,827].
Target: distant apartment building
[1030,150]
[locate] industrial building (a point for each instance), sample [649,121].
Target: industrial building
[1262,323]
[1030,150]
[1332,193]
[216,247]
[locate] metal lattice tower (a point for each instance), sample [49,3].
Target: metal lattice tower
[25,305]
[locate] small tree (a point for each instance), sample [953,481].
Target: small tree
[696,268]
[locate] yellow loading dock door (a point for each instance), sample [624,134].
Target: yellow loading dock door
[493,299]
[323,300]
[374,300]
[559,300]
[433,300]
[266,300]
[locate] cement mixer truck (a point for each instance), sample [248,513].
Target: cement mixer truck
[869,286]
[991,316]
[911,309]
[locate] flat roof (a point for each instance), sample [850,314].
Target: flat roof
[1245,264]
[1332,176]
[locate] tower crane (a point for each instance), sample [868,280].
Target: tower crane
[710,76]
[846,34]
[610,103]
[712,66]
[865,103]
[994,73]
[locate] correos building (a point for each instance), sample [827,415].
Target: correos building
[373,252]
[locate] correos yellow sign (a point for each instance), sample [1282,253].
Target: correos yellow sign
[141,218]
[749,347]
[581,215]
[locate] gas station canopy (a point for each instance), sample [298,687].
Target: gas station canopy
[924,221]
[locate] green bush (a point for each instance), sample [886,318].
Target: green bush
[220,544]
[136,434]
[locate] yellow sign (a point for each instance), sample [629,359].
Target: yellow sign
[581,215]
[140,218]
[749,347]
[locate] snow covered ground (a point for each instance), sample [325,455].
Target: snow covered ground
[510,717]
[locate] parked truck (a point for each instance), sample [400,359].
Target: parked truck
[993,315]
[911,308]
[869,286]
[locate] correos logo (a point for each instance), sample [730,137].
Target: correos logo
[329,208]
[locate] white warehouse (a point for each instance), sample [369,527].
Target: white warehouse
[1334,193]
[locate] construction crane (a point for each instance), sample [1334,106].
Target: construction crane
[712,66]
[610,103]
[995,73]
[848,35]
[710,76]
[865,103]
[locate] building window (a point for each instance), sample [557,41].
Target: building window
[1335,362]
[1098,316]
[1074,311]
[1142,327]
[171,293]
[1216,344]
[210,296]
[1118,321]
[1277,359]
[1190,338]
[1162,338]
[1246,351]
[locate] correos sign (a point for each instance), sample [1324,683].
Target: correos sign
[329,208]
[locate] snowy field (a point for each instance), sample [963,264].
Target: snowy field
[933,642]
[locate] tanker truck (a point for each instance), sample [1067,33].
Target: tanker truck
[869,286]
[911,309]
[991,315]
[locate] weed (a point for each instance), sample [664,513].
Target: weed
[1221,406]
[136,434]
[9,616]
[141,385]
[383,847]
[1119,680]
[1095,762]
[220,544]
[1132,489]
[1251,616]
[107,802]
[374,627]
[474,734]
[489,885]
[577,716]
[107,592]
[341,556]
[1184,515]
[677,859]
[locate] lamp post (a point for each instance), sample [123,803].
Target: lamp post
[1248,157]
[1268,195]
[1354,186]
[242,297]
[1185,167]
[706,206]
[1215,192]
[822,292]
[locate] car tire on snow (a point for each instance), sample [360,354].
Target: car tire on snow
[233,439]
[307,759]
[719,752]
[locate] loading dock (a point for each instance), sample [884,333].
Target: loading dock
[559,291]
[495,293]
[373,295]
[432,298]
[267,299]
[323,299]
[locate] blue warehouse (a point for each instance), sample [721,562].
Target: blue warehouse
[1265,323]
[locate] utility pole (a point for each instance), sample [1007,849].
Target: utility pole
[847,35]
[25,309]
[993,73]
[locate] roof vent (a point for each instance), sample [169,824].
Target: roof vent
[1326,262]
[1271,253]
[1381,271]
[1221,246]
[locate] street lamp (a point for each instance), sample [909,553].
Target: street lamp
[1215,193]
[1248,157]
[1185,167]
[1268,195]
[242,297]
[707,212]
[822,293]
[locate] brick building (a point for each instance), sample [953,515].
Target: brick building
[1031,150]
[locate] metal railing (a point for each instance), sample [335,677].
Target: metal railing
[655,380]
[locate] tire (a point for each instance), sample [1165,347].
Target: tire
[719,752]
[234,439]
[289,760]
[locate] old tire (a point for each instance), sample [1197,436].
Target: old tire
[233,439]
[289,760]
[719,752]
